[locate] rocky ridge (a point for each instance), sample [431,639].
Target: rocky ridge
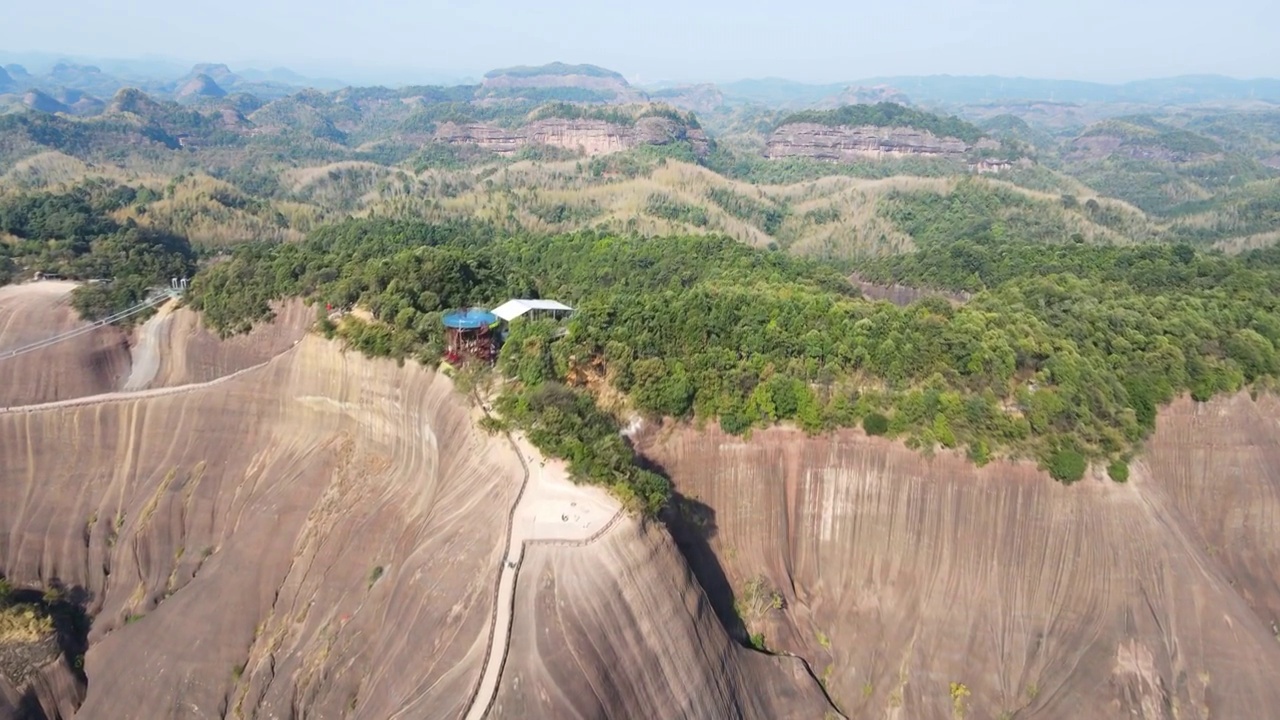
[315,536]
[198,87]
[904,578]
[42,101]
[668,658]
[846,144]
[606,83]
[589,136]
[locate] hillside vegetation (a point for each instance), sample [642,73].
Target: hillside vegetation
[312,157]
[888,115]
[74,235]
[1064,356]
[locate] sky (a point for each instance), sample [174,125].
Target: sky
[671,40]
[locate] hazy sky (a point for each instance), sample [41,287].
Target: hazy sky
[651,40]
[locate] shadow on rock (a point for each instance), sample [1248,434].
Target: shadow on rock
[692,525]
[66,607]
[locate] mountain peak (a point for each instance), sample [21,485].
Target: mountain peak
[219,73]
[555,68]
[200,86]
[37,100]
[132,100]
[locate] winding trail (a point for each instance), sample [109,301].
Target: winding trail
[137,394]
[146,352]
[549,509]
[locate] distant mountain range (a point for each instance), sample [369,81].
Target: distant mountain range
[969,90]
[81,87]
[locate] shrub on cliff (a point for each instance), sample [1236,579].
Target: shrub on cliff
[875,424]
[1118,470]
[1067,465]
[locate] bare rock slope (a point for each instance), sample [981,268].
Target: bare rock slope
[315,538]
[837,143]
[88,364]
[1154,599]
[619,629]
[586,135]
[320,536]
[194,353]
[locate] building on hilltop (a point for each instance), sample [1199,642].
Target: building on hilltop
[476,333]
[468,334]
[533,309]
[512,309]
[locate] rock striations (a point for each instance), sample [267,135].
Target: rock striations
[901,575]
[320,535]
[838,143]
[88,364]
[620,629]
[246,544]
[588,136]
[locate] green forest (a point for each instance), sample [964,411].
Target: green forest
[889,115]
[73,235]
[1086,313]
[1064,354]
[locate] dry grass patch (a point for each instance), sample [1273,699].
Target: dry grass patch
[24,624]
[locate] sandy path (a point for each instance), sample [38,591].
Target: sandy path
[136,394]
[146,352]
[551,509]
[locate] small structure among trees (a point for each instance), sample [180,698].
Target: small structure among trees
[512,309]
[533,309]
[468,334]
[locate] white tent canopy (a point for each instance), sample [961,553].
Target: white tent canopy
[512,309]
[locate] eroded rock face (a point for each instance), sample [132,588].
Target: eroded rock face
[903,575]
[589,136]
[850,144]
[618,629]
[192,353]
[314,538]
[51,690]
[88,364]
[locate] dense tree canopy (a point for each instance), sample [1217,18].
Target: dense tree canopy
[73,235]
[1064,355]
[888,114]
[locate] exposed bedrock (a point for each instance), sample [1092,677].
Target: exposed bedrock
[589,136]
[192,353]
[901,575]
[315,538]
[88,364]
[619,629]
[320,537]
[850,144]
